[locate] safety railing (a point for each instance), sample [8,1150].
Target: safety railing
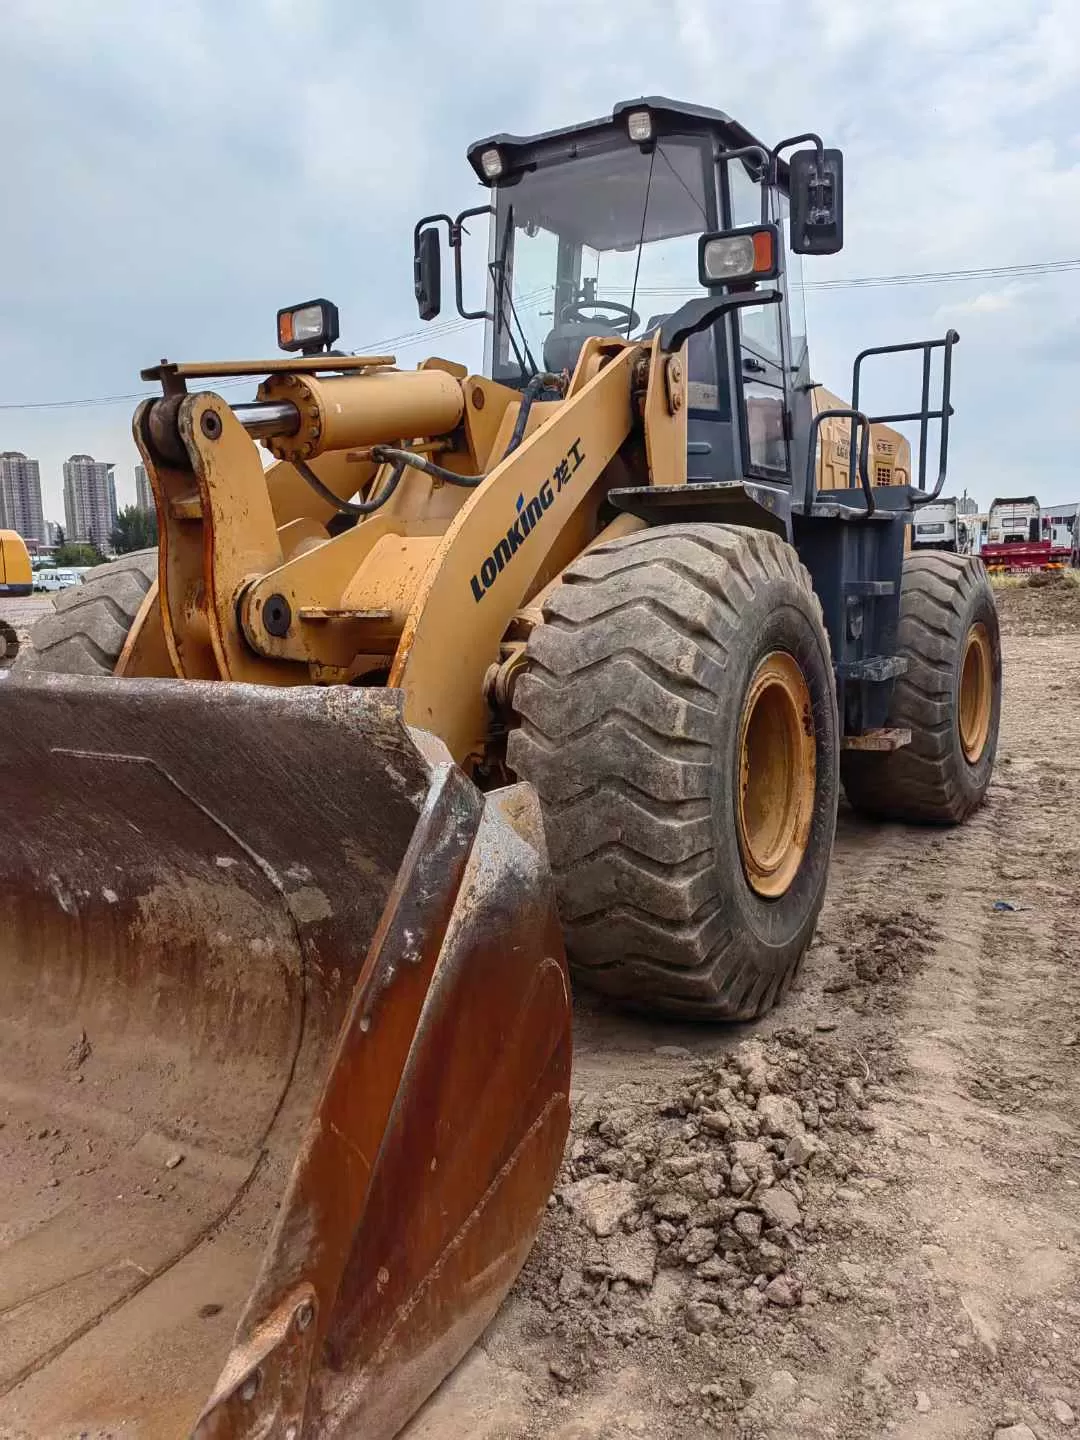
[923,415]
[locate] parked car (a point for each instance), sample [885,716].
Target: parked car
[56,579]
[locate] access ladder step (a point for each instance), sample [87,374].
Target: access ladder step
[875,667]
[883,739]
[870,589]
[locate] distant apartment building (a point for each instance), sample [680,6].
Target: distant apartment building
[144,496]
[20,497]
[90,500]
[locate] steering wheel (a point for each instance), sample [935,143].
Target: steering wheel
[573,313]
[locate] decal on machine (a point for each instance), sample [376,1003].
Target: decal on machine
[529,514]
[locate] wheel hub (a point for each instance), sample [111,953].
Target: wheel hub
[976,693]
[777,774]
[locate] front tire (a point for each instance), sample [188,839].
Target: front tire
[90,622]
[950,699]
[678,720]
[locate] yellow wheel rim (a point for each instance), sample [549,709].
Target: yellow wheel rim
[777,771]
[976,692]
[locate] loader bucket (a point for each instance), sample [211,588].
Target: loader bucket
[284,1058]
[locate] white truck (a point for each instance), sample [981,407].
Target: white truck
[940,527]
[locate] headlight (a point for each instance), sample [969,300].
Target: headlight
[491,163]
[752,253]
[639,126]
[310,327]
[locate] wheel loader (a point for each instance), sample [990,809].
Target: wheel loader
[307,812]
[15,580]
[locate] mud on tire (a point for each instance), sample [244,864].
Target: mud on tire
[90,622]
[630,711]
[944,601]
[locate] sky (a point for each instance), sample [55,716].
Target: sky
[175,172]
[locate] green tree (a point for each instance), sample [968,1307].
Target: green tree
[74,555]
[61,536]
[135,529]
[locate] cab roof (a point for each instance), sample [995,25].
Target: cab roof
[670,117]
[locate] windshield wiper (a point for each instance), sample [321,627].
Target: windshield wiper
[641,242]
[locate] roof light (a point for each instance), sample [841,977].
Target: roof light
[639,126]
[491,162]
[746,254]
[310,327]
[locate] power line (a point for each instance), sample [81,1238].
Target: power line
[941,277]
[429,332]
[102,399]
[456,325]
[927,277]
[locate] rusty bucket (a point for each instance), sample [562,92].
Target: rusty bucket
[284,1058]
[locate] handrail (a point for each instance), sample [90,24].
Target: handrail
[924,415]
[857,418]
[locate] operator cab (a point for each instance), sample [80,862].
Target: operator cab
[602,229]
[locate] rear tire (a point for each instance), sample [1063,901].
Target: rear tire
[90,622]
[640,705]
[950,699]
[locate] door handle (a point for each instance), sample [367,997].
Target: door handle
[755,365]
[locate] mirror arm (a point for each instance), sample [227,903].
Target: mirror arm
[819,146]
[455,228]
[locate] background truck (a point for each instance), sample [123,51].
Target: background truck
[1014,539]
[940,527]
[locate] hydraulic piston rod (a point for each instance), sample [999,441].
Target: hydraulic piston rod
[262,419]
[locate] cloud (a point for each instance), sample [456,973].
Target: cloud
[179,170]
[986,302]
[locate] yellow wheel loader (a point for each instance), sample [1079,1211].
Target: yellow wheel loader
[15,580]
[303,809]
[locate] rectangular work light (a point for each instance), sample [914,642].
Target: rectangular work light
[310,327]
[751,252]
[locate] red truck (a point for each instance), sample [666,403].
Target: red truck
[1014,540]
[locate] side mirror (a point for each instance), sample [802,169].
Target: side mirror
[427,273]
[817,202]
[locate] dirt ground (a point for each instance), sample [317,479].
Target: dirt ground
[21,614]
[912,1114]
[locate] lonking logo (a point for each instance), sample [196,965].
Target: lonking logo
[529,514]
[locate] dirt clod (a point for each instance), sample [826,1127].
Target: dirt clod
[783,1290]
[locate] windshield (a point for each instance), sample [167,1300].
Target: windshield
[606,244]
